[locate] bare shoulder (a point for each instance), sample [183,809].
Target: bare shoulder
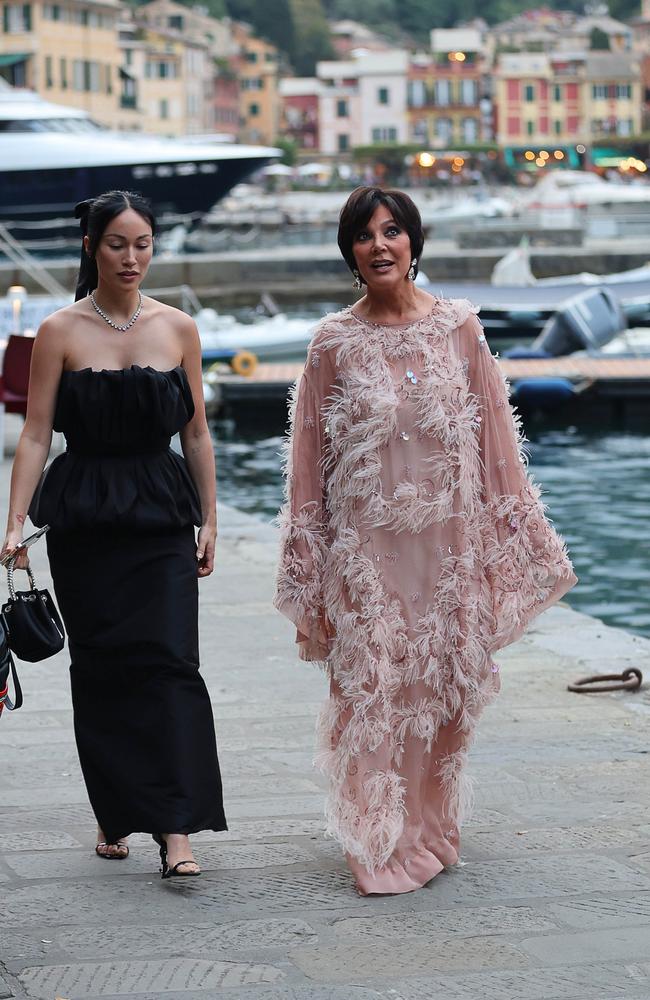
[56,329]
[170,315]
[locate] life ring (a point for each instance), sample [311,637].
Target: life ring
[244,363]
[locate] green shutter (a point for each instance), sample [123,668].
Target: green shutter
[5,19]
[27,16]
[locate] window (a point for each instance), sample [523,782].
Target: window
[109,79]
[17,18]
[342,109]
[175,21]
[530,128]
[85,75]
[251,57]
[253,110]
[468,92]
[529,92]
[51,12]
[49,81]
[344,143]
[470,130]
[624,91]
[624,126]
[417,94]
[512,90]
[77,74]
[63,71]
[420,130]
[164,109]
[557,127]
[384,134]
[382,95]
[513,125]
[557,92]
[599,91]
[444,129]
[442,92]
[91,76]
[128,57]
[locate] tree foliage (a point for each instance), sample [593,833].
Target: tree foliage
[299,27]
[311,32]
[599,39]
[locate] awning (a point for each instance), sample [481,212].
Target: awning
[126,75]
[11,58]
[608,157]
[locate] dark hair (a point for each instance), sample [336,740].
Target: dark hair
[361,206]
[94,215]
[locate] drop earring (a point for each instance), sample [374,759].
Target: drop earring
[411,271]
[357,280]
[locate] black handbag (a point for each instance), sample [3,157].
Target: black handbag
[34,626]
[7,667]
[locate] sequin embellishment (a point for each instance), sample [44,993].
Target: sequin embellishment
[405,436]
[315,360]
[411,376]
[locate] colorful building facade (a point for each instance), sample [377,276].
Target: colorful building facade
[448,103]
[68,52]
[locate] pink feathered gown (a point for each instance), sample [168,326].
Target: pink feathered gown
[413,546]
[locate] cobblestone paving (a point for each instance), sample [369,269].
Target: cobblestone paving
[552,901]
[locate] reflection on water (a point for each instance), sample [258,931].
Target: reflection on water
[597,487]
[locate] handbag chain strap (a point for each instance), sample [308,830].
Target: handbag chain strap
[11,565]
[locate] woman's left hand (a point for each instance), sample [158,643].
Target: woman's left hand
[205,547]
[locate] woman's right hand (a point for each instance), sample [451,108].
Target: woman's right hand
[13,539]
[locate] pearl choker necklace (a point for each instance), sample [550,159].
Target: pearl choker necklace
[107,319]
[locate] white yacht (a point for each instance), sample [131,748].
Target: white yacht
[52,156]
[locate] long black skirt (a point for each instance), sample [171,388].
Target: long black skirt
[142,715]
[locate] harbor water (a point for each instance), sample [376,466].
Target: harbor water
[596,484]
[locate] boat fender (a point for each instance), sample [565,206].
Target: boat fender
[541,392]
[244,363]
[526,352]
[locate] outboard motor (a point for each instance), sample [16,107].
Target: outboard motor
[585,322]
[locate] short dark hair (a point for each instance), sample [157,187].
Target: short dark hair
[94,215]
[361,206]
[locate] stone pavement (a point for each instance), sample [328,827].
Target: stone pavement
[552,899]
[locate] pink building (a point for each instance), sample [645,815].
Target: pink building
[299,98]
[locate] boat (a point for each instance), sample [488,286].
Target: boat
[516,304]
[52,156]
[269,338]
[583,190]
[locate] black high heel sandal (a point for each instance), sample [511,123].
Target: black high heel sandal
[165,870]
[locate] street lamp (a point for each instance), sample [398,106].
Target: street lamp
[16,295]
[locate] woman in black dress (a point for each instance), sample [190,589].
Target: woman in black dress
[119,374]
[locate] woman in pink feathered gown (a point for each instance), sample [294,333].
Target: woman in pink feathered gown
[413,547]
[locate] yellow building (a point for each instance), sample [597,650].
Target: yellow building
[258,70]
[612,98]
[565,98]
[445,90]
[67,51]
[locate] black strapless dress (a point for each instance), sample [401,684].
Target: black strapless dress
[122,507]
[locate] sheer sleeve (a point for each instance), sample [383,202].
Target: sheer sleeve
[303,518]
[525,563]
